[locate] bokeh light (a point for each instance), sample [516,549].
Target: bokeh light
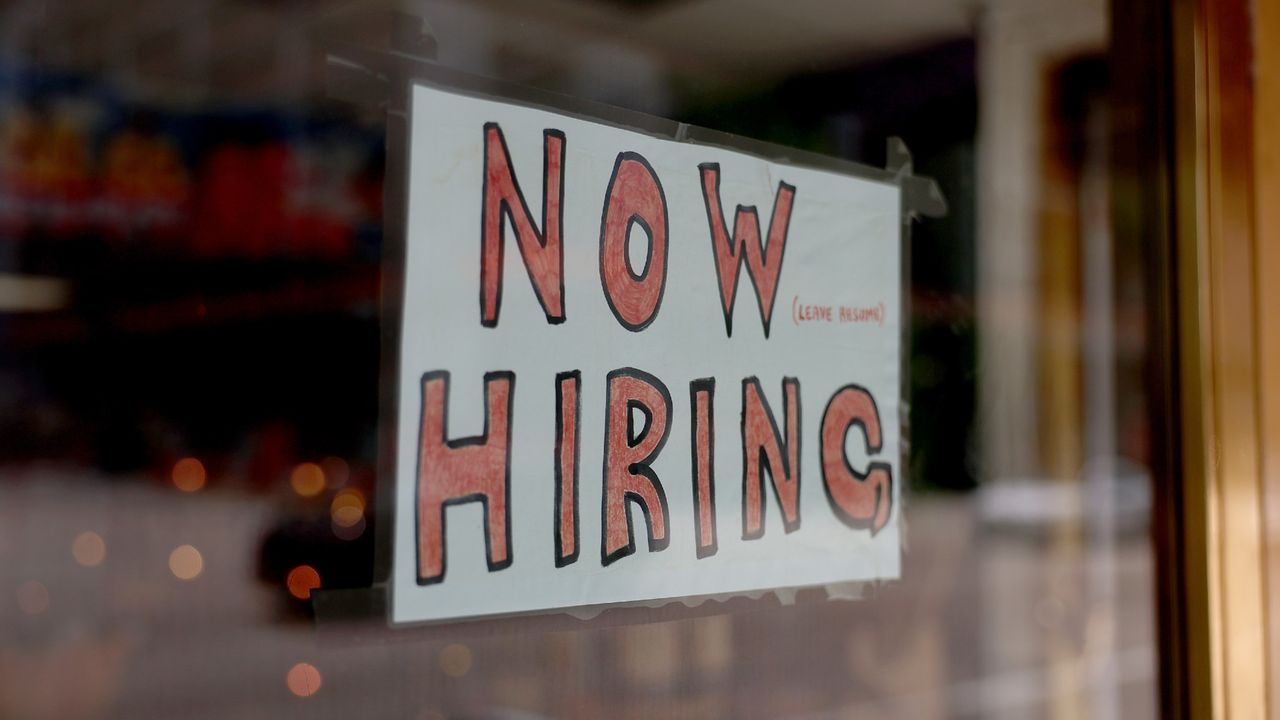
[302,580]
[303,679]
[348,533]
[307,479]
[188,475]
[186,563]
[89,549]
[347,508]
[33,597]
[336,472]
[455,660]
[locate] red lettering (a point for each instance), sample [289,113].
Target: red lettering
[542,252]
[469,469]
[568,406]
[814,313]
[702,397]
[634,196]
[764,264]
[628,454]
[764,451]
[860,500]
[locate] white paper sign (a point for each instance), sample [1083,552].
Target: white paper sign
[634,369]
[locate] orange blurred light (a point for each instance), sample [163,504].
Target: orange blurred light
[348,533]
[302,580]
[89,549]
[188,475]
[307,479]
[33,597]
[336,472]
[303,679]
[186,563]
[455,660]
[347,508]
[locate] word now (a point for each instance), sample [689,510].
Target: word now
[634,198]
[452,471]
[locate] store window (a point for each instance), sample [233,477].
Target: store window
[194,252]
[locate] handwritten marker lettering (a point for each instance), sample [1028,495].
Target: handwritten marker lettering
[453,471]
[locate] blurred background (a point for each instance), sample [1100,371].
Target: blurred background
[190,246]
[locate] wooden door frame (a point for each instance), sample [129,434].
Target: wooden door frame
[1216,356]
[1266,106]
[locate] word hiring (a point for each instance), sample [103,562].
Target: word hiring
[453,471]
[478,468]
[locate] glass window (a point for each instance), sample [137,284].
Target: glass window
[191,239]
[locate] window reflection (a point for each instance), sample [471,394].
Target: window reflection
[190,238]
